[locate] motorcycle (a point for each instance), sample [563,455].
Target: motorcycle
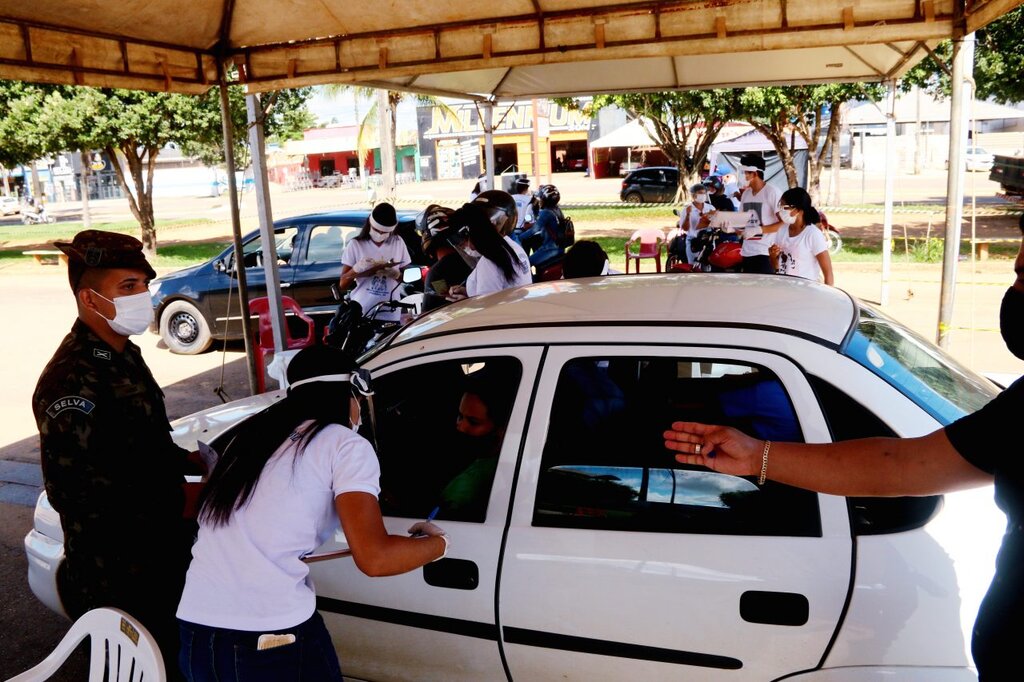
[38,217]
[355,331]
[832,236]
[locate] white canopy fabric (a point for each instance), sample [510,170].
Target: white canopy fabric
[516,48]
[869,113]
[634,135]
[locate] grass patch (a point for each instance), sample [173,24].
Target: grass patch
[185,254]
[620,213]
[62,230]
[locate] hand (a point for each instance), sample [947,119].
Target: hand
[774,251]
[457,292]
[390,271]
[704,221]
[718,448]
[425,528]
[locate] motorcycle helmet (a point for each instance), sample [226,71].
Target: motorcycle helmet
[501,210]
[726,255]
[713,183]
[432,224]
[549,196]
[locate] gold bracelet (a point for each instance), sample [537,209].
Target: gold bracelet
[764,462]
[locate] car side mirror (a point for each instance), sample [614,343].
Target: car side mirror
[219,266]
[412,274]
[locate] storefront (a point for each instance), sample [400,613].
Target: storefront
[452,140]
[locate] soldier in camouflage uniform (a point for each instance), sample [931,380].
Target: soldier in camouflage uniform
[110,468]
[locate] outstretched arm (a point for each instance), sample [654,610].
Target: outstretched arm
[376,552]
[872,467]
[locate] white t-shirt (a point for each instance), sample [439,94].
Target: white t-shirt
[799,254]
[523,208]
[248,574]
[766,204]
[359,254]
[487,277]
[694,214]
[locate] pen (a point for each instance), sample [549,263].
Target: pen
[430,517]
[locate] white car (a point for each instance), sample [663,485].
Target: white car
[977,159]
[9,206]
[585,552]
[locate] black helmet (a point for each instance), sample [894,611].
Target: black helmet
[714,183]
[500,208]
[549,195]
[431,224]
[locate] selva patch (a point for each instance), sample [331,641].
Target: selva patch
[70,402]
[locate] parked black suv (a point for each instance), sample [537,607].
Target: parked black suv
[657,184]
[191,306]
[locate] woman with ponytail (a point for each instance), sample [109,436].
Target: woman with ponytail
[287,478]
[501,264]
[802,247]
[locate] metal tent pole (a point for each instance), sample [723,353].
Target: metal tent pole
[236,226]
[963,68]
[254,116]
[488,113]
[890,180]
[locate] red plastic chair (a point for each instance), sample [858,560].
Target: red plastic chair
[651,242]
[265,339]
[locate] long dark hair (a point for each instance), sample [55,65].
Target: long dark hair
[797,197]
[486,238]
[254,441]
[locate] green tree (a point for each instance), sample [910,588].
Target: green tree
[23,137]
[998,63]
[810,111]
[684,123]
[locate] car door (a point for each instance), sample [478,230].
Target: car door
[437,622]
[622,564]
[225,313]
[317,264]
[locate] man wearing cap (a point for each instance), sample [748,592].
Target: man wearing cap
[110,467]
[763,199]
[373,260]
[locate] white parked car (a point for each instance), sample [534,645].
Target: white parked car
[9,206]
[585,552]
[976,159]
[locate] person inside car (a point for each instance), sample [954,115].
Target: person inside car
[978,449]
[501,264]
[542,238]
[288,478]
[373,261]
[480,428]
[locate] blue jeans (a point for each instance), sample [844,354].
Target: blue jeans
[222,655]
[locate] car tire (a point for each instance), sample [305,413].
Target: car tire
[184,329]
[835,242]
[633,198]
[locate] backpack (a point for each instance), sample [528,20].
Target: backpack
[566,236]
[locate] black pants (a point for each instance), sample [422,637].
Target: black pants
[759,265]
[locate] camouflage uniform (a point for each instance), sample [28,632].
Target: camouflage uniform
[113,474]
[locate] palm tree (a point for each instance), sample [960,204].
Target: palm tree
[380,118]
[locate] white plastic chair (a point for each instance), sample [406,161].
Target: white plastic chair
[118,643]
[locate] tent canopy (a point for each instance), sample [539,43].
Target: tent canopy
[634,135]
[516,48]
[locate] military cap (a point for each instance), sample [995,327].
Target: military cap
[101,249]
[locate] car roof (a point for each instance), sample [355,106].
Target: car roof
[788,304]
[654,168]
[342,215]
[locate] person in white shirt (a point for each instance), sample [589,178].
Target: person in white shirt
[373,260]
[763,199]
[524,203]
[800,246]
[692,218]
[502,262]
[287,478]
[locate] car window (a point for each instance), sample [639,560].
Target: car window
[326,242]
[284,239]
[440,427]
[604,464]
[938,384]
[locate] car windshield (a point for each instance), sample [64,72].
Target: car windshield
[940,385]
[977,150]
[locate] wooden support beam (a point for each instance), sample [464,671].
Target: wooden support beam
[599,23]
[928,6]
[382,57]
[167,75]
[848,23]
[27,42]
[720,29]
[292,64]
[76,61]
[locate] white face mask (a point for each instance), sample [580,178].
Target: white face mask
[787,217]
[744,182]
[700,198]
[377,238]
[133,314]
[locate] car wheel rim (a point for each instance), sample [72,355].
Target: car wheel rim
[184,328]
